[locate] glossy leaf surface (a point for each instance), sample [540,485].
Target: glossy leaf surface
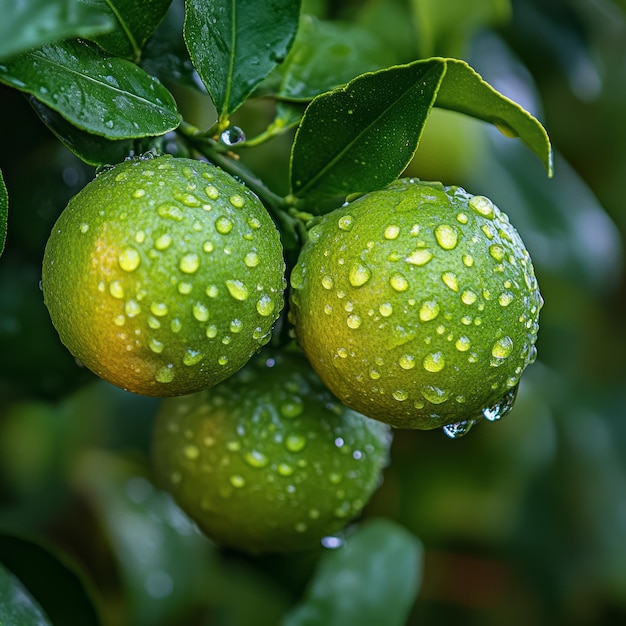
[100,94]
[371,580]
[27,25]
[235,44]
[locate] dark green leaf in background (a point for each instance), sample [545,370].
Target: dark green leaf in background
[17,606]
[371,580]
[235,44]
[26,25]
[100,94]
[165,54]
[361,137]
[135,22]
[4,210]
[328,54]
[163,560]
[92,149]
[52,579]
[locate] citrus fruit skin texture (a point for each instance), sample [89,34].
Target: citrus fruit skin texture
[269,460]
[417,305]
[164,275]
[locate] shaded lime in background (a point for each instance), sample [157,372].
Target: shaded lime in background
[268,461]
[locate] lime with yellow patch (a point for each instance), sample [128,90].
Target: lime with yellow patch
[164,275]
[269,460]
[418,305]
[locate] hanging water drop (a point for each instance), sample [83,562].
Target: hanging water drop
[232,136]
[502,407]
[458,430]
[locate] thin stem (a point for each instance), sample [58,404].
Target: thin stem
[280,208]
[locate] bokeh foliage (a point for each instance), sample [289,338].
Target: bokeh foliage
[522,522]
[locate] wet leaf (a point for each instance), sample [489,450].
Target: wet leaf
[235,44]
[464,91]
[135,22]
[97,93]
[371,580]
[92,149]
[360,137]
[27,25]
[68,601]
[164,561]
[17,606]
[326,55]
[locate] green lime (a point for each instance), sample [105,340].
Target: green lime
[164,275]
[418,305]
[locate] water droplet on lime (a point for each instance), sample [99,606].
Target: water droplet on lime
[407,362]
[295,442]
[359,274]
[163,242]
[189,263]
[129,259]
[251,259]
[237,481]
[398,282]
[391,232]
[446,236]
[450,280]
[429,311]
[116,289]
[419,257]
[434,362]
[223,225]
[345,223]
[265,306]
[483,206]
[165,374]
[353,321]
[256,459]
[159,309]
[237,290]
[463,344]
[502,348]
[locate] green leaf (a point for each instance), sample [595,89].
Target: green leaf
[165,54]
[95,92]
[52,578]
[4,212]
[371,580]
[92,149]
[326,55]
[135,21]
[235,44]
[463,90]
[361,137]
[26,25]
[17,606]
[165,564]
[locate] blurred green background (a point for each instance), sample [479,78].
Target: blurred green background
[521,522]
